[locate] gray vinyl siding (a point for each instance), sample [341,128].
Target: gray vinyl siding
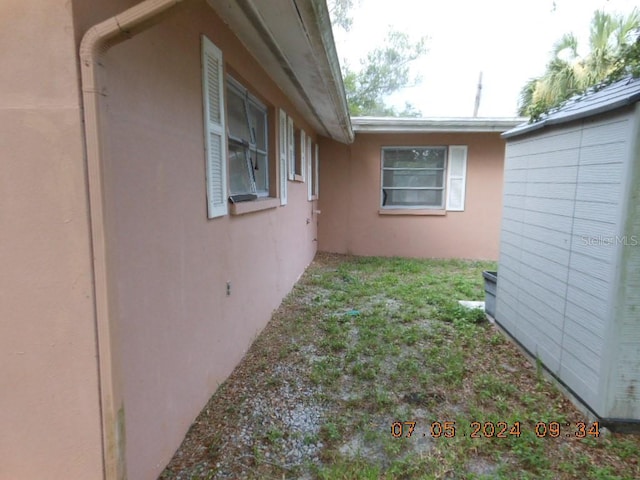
[623,398]
[562,192]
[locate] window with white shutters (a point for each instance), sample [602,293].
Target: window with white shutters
[423,177]
[214,129]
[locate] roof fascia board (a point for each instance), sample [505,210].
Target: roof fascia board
[433,125]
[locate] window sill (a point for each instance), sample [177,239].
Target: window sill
[264,203]
[411,211]
[298,178]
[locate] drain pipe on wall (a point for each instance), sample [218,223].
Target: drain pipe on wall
[96,41]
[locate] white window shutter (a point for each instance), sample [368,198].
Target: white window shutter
[309,167]
[456,177]
[303,154]
[283,147]
[291,149]
[214,129]
[316,173]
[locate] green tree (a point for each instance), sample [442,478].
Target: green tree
[384,71]
[612,43]
[628,62]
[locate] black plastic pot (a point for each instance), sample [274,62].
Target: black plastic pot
[490,284]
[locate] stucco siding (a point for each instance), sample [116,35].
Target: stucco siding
[176,333]
[572,179]
[49,403]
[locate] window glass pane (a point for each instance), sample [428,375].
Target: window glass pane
[258,123]
[413,178]
[248,138]
[260,173]
[413,198]
[236,114]
[432,157]
[239,173]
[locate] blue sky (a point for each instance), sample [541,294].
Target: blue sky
[508,40]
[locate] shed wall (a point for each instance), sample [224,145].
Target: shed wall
[622,385]
[563,192]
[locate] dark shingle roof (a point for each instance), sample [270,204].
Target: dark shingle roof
[619,94]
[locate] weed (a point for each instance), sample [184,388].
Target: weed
[330,432]
[357,469]
[623,448]
[539,369]
[310,439]
[274,434]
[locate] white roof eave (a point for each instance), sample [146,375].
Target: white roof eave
[293,41]
[434,124]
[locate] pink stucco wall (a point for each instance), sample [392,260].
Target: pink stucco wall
[49,398]
[176,334]
[350,201]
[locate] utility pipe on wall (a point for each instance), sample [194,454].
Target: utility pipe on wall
[96,41]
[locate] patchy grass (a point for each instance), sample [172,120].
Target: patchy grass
[409,385]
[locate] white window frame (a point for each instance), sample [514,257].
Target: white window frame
[214,128]
[453,171]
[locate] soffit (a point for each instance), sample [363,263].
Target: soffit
[292,40]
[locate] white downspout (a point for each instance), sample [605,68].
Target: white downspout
[96,41]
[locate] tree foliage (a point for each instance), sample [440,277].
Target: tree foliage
[339,13]
[384,71]
[613,53]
